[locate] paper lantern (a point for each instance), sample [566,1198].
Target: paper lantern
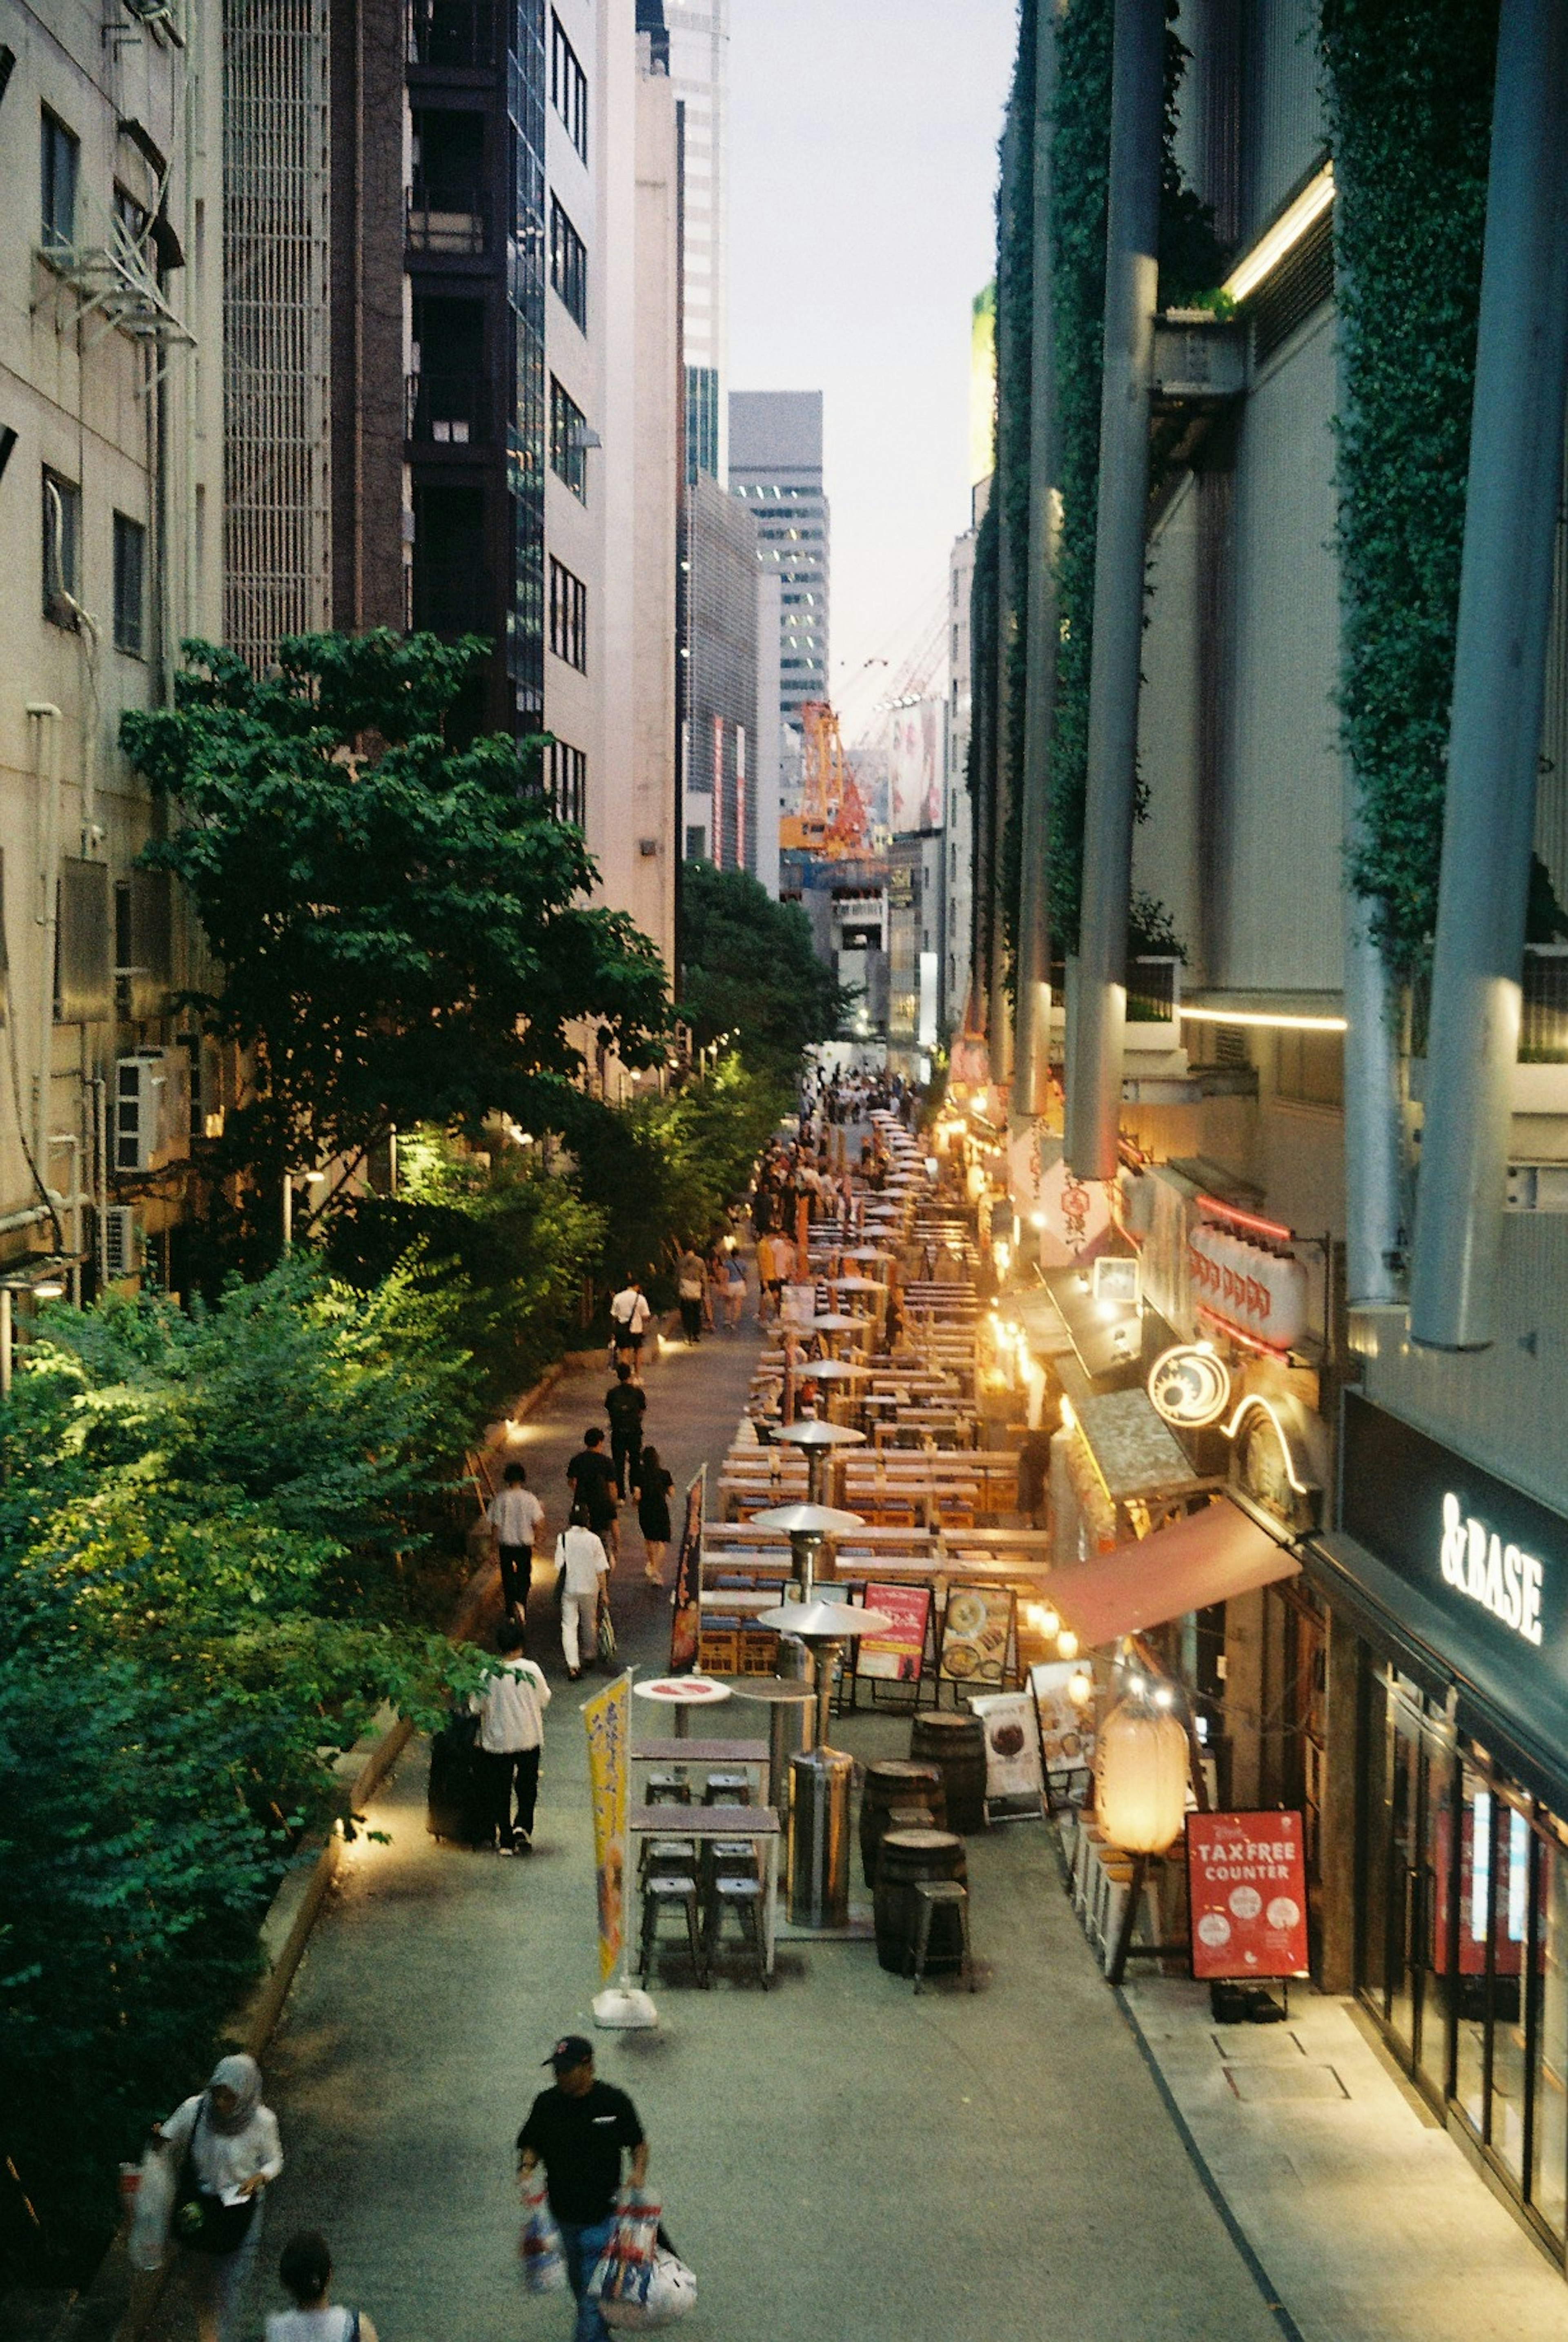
[1141,1777]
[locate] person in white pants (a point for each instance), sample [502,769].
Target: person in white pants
[581,1559]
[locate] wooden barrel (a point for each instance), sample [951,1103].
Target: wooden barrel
[895,1781]
[956,1745]
[906,1857]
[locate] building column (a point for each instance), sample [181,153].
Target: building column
[1132,283]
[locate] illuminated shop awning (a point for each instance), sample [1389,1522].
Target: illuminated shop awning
[1211,1555]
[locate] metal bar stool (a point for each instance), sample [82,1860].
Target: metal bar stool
[743,1897]
[672,1890]
[727,1789]
[948,1895]
[667,1789]
[677,1856]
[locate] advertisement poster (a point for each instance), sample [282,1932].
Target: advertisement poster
[1066,1730]
[686,1616]
[1012,1746]
[899,1654]
[608,1719]
[1246,1884]
[915,766]
[977,1639]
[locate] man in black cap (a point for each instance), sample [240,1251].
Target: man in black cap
[577,2131]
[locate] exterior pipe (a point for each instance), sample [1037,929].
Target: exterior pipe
[1032,1071]
[1499,675]
[1132,283]
[46,763]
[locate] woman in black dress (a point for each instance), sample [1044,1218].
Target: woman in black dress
[653,1495]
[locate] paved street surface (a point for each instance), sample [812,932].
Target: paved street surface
[836,2158]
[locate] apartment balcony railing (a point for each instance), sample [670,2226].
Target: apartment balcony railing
[461,35]
[1544,1008]
[1152,990]
[443,218]
[450,410]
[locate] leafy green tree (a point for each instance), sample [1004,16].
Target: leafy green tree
[748,968]
[401,928]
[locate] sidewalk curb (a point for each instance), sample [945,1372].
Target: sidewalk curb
[118,2300]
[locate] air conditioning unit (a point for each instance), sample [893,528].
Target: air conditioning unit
[122,1242]
[152,1109]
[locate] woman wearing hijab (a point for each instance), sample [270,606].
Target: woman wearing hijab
[227,2143]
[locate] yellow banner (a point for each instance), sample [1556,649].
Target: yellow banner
[608,1719]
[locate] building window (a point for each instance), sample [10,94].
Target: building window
[568,264]
[568,770]
[568,432]
[62,519]
[568,87]
[568,616]
[1310,1068]
[59,161]
[130,582]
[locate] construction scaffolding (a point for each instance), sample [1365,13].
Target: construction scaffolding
[277,326]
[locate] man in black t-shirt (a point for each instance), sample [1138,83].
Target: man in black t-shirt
[592,1478]
[578,2131]
[625,1403]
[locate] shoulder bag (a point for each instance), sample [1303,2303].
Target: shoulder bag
[203,2221]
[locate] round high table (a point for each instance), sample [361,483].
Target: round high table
[791,1704]
[681,1694]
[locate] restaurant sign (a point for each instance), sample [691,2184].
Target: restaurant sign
[1246,1891]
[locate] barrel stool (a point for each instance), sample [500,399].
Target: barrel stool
[908,1857]
[956,1744]
[932,1895]
[895,1781]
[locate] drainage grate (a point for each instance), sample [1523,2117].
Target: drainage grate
[1255,2083]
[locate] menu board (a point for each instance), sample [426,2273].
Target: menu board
[1246,1888]
[898,1655]
[1066,1730]
[978,1637]
[1012,1746]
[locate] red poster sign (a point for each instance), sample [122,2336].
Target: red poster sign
[1246,1886]
[897,1654]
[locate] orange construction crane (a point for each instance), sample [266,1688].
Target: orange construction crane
[831,818]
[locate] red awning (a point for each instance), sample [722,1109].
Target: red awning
[1210,1557]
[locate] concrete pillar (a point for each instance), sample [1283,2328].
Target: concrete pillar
[1132,278]
[1031,1077]
[1244,1697]
[1338,1816]
[1499,674]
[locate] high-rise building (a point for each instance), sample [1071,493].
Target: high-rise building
[698,37]
[722,585]
[775,463]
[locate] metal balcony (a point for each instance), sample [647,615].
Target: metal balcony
[448,219]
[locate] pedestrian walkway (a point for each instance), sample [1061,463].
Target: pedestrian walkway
[1367,2215]
[837,2157]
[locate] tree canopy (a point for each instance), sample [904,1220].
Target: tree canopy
[401,927]
[748,968]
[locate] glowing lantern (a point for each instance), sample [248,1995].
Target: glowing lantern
[1141,1777]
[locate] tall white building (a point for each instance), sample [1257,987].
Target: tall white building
[775,463]
[699,40]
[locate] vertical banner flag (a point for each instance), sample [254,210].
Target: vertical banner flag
[608,1719]
[687,1616]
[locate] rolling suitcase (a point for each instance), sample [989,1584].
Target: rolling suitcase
[454,1806]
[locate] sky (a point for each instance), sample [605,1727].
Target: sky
[862,175]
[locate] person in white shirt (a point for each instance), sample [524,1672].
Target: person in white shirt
[584,1565]
[511,1712]
[629,1315]
[516,1517]
[227,2143]
[306,2269]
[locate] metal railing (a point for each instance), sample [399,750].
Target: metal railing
[447,218]
[450,410]
[1543,1007]
[461,35]
[1151,990]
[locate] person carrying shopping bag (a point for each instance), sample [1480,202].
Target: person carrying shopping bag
[584,1565]
[227,2149]
[579,2130]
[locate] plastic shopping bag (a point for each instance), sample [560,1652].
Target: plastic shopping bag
[621,2272]
[539,2243]
[672,2290]
[152,2206]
